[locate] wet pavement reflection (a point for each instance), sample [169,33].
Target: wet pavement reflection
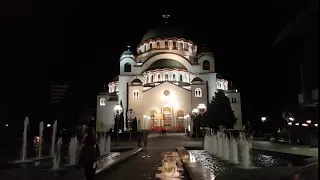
[171,167]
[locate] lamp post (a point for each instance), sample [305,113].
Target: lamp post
[202,109]
[117,110]
[195,113]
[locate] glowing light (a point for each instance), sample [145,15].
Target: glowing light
[297,124]
[291,118]
[7,125]
[263,119]
[195,112]
[189,127]
[102,102]
[308,121]
[304,124]
[117,109]
[48,125]
[289,123]
[316,125]
[187,115]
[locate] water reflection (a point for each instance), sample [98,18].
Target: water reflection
[171,168]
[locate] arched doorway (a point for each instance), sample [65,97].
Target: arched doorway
[153,117]
[167,116]
[180,120]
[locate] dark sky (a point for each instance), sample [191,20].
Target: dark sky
[82,42]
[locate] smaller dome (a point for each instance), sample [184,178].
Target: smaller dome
[204,49]
[127,52]
[197,80]
[136,82]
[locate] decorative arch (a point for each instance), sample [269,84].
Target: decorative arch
[205,65]
[150,46]
[158,45]
[198,92]
[174,77]
[135,94]
[167,109]
[176,57]
[158,77]
[102,101]
[174,45]
[180,114]
[127,67]
[166,45]
[153,113]
[166,77]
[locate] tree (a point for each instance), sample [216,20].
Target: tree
[220,112]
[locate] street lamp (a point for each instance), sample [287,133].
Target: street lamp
[308,121]
[117,110]
[291,118]
[202,109]
[48,125]
[195,113]
[289,123]
[316,125]
[188,123]
[263,119]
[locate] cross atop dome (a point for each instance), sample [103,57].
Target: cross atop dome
[166,16]
[128,48]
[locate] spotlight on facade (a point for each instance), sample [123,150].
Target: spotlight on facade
[263,119]
[316,125]
[48,125]
[195,112]
[289,123]
[297,124]
[308,121]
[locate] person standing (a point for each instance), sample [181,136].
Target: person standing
[89,154]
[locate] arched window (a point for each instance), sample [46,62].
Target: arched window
[180,114]
[181,77]
[205,65]
[166,77]
[102,102]
[159,77]
[150,46]
[173,77]
[174,45]
[135,94]
[198,92]
[166,45]
[186,47]
[153,114]
[127,67]
[158,45]
[151,78]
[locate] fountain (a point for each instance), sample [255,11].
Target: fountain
[108,145]
[102,144]
[54,132]
[73,146]
[40,137]
[220,145]
[56,155]
[24,144]
[226,150]
[234,151]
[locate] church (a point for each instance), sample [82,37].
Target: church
[163,82]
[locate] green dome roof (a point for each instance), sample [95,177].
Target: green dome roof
[166,63]
[166,32]
[196,79]
[136,81]
[127,52]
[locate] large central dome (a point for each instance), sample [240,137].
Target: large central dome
[166,32]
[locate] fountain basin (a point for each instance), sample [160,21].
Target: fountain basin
[260,159]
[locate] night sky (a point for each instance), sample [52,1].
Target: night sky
[81,43]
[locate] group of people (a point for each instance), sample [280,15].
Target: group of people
[163,131]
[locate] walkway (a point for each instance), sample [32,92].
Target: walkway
[146,164]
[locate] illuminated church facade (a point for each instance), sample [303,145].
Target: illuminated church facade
[163,83]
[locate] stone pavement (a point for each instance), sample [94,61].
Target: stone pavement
[145,164]
[297,150]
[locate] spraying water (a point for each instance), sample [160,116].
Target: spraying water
[53,142]
[220,145]
[56,155]
[41,126]
[226,150]
[24,144]
[73,146]
[234,151]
